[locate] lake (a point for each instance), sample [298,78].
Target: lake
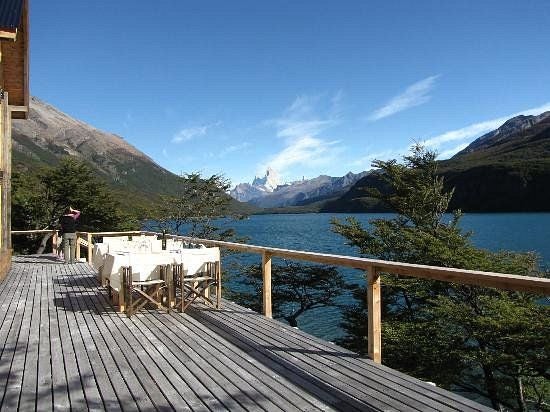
[312,232]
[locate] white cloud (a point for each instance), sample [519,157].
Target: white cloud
[467,132]
[365,162]
[301,118]
[415,95]
[300,126]
[452,151]
[189,133]
[128,120]
[305,151]
[478,129]
[293,128]
[233,149]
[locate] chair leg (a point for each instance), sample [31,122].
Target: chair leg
[122,293]
[127,289]
[166,292]
[218,285]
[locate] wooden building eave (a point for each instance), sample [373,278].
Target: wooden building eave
[8,34]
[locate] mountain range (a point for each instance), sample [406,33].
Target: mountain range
[261,186]
[505,170]
[266,192]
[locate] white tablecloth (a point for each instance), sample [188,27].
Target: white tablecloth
[146,266]
[98,257]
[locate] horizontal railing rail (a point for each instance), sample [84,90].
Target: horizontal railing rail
[31,232]
[54,233]
[372,267]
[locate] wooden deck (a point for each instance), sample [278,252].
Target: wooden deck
[63,346]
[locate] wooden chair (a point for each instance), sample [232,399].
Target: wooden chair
[185,289]
[137,294]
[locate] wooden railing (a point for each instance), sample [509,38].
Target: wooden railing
[43,231]
[372,267]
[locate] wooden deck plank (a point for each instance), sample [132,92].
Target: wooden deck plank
[17,345]
[139,382]
[11,295]
[207,375]
[13,291]
[177,366]
[458,402]
[171,336]
[77,399]
[184,358]
[11,323]
[205,360]
[44,378]
[27,400]
[271,384]
[60,387]
[154,382]
[431,397]
[104,384]
[325,378]
[287,371]
[352,362]
[362,367]
[90,384]
[334,373]
[170,383]
[238,384]
[100,341]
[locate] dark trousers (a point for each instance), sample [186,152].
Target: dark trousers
[69,247]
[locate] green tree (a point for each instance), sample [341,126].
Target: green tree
[196,208]
[39,200]
[482,340]
[296,289]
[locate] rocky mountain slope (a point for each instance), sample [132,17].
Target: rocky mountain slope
[50,134]
[298,193]
[506,170]
[513,134]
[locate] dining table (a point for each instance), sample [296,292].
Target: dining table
[147,266]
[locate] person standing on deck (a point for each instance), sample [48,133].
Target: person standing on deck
[68,232]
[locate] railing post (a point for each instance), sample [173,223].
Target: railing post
[54,242]
[77,247]
[374,315]
[90,249]
[266,272]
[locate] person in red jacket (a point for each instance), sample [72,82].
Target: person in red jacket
[68,233]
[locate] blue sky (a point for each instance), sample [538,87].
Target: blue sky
[306,87]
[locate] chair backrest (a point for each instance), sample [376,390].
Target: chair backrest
[116,243]
[194,260]
[156,245]
[174,244]
[141,245]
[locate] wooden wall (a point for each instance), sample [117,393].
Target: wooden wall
[14,81]
[15,65]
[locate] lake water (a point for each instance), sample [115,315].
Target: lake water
[312,232]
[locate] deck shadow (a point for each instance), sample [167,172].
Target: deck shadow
[267,355]
[40,259]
